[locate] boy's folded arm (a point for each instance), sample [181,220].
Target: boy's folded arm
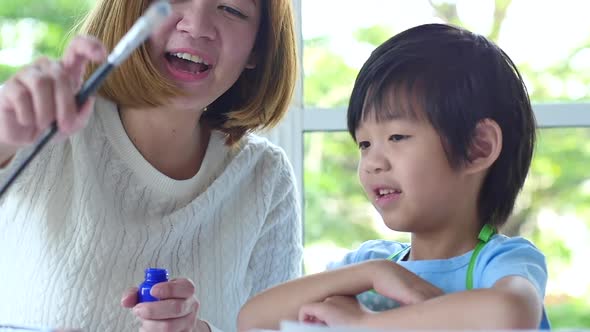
[512,303]
[267,309]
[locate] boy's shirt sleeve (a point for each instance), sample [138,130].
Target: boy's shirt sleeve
[516,256]
[373,249]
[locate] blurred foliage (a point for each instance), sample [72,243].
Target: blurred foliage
[573,313]
[320,63]
[6,71]
[43,26]
[559,174]
[62,13]
[374,35]
[329,217]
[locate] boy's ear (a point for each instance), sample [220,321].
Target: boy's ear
[486,145]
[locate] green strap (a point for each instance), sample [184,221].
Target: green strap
[395,255]
[484,236]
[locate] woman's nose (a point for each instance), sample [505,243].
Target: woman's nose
[197,20]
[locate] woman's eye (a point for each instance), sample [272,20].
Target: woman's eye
[363,145]
[232,11]
[397,137]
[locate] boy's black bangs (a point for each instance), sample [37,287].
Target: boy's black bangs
[400,99]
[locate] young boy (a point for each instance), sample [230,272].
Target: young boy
[446,132]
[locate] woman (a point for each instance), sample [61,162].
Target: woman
[163,173]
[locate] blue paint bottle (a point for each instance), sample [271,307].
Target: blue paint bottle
[152,277]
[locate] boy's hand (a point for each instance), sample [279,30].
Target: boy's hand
[334,311]
[389,279]
[396,282]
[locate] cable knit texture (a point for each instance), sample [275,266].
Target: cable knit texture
[90,214]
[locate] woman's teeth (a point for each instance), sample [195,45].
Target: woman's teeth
[190,57]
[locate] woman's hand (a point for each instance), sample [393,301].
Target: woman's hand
[176,311]
[44,92]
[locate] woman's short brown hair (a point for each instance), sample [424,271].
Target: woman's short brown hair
[259,98]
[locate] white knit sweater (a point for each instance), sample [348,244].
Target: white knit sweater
[90,214]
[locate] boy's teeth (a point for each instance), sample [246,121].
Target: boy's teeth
[190,57]
[386,191]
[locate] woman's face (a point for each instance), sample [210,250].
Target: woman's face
[204,47]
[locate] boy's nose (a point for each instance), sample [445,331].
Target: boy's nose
[376,162]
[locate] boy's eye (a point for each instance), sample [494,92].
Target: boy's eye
[397,137]
[232,11]
[363,145]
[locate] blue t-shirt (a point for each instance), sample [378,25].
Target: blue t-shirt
[502,256]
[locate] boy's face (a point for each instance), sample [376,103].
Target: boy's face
[405,172]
